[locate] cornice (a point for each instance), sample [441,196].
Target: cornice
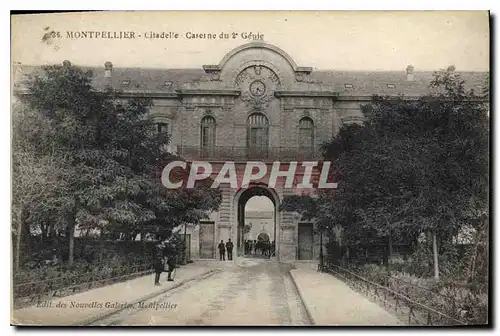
[201,92]
[283,93]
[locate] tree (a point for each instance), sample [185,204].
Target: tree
[415,166]
[34,175]
[113,154]
[247,228]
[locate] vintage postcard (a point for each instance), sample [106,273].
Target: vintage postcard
[250,168]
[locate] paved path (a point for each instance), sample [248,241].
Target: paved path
[109,297]
[242,293]
[331,302]
[239,293]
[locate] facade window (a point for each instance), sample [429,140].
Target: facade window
[207,135]
[162,127]
[258,132]
[306,133]
[120,110]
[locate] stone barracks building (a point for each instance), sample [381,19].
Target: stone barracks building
[256,104]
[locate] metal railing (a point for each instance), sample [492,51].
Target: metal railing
[408,309]
[422,294]
[34,292]
[233,153]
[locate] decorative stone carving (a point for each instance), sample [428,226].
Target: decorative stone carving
[301,76]
[257,69]
[258,84]
[213,71]
[215,75]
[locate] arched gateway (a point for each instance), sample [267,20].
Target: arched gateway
[256,104]
[240,200]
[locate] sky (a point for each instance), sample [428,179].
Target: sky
[259,203]
[323,40]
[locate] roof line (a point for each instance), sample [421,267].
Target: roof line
[263,45]
[313,69]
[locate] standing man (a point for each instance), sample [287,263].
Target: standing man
[222,251]
[229,248]
[170,254]
[158,262]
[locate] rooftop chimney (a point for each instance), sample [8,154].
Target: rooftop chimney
[410,73]
[108,67]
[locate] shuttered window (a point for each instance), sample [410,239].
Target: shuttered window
[258,131]
[207,133]
[306,133]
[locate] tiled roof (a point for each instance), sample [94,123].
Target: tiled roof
[388,82]
[354,83]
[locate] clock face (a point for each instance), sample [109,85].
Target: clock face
[257,88]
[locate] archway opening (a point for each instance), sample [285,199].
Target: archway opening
[257,222]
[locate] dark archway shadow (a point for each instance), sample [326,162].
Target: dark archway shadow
[263,237]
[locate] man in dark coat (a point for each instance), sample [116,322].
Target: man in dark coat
[171,255]
[158,262]
[229,248]
[222,250]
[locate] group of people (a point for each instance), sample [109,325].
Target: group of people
[223,248]
[266,248]
[165,254]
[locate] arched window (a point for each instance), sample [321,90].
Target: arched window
[257,134]
[306,133]
[207,135]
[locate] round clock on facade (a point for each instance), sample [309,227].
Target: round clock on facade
[257,88]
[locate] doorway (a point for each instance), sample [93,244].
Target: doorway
[207,236]
[257,216]
[305,241]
